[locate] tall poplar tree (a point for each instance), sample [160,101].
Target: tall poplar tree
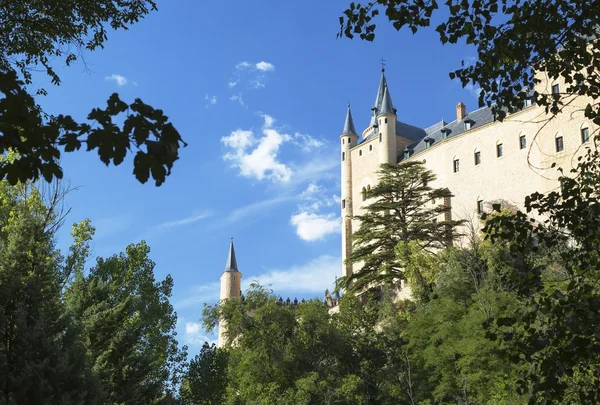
[403,210]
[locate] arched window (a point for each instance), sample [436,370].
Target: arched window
[370,148]
[380,137]
[386,120]
[585,132]
[522,141]
[559,142]
[344,204]
[360,152]
[342,141]
[479,205]
[343,156]
[456,164]
[364,194]
[368,188]
[477,157]
[499,149]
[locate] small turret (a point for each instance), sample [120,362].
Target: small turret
[348,140]
[386,125]
[230,288]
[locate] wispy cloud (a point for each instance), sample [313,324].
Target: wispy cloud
[256,208]
[311,224]
[312,277]
[210,100]
[184,221]
[120,80]
[250,75]
[195,335]
[238,98]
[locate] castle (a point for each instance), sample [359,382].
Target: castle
[480,160]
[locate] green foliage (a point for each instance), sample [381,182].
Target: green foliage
[42,360]
[404,210]
[300,354]
[34,32]
[128,325]
[512,40]
[555,342]
[205,380]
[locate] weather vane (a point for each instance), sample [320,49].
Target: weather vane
[382,64]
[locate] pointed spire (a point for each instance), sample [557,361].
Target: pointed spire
[386,105]
[381,97]
[231,262]
[349,124]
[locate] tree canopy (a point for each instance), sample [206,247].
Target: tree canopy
[34,34]
[512,40]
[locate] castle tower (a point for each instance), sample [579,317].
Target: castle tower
[230,287]
[348,139]
[385,121]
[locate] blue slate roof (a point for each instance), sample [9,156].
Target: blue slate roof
[349,124]
[231,264]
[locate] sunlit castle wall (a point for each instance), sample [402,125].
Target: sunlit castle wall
[481,161]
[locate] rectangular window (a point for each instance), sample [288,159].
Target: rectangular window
[370,148]
[499,150]
[477,158]
[426,144]
[467,125]
[528,102]
[406,154]
[480,206]
[555,89]
[456,165]
[585,135]
[560,146]
[360,152]
[522,142]
[343,204]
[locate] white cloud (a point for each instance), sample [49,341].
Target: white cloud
[312,277]
[195,334]
[262,161]
[238,98]
[474,90]
[306,142]
[309,278]
[311,227]
[265,66]
[210,100]
[120,80]
[242,65]
[231,84]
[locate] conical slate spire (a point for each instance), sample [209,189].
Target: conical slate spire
[349,124]
[231,262]
[378,108]
[386,106]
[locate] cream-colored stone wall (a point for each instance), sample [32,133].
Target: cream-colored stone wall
[230,287]
[509,178]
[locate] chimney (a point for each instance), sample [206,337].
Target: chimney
[461,111]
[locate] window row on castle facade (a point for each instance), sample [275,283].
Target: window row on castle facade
[558,143]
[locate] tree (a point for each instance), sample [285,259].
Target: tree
[205,380]
[405,210]
[128,324]
[33,33]
[298,353]
[512,40]
[555,339]
[42,360]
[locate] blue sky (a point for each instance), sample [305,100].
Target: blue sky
[259,91]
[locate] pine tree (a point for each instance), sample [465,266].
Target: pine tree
[42,360]
[405,210]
